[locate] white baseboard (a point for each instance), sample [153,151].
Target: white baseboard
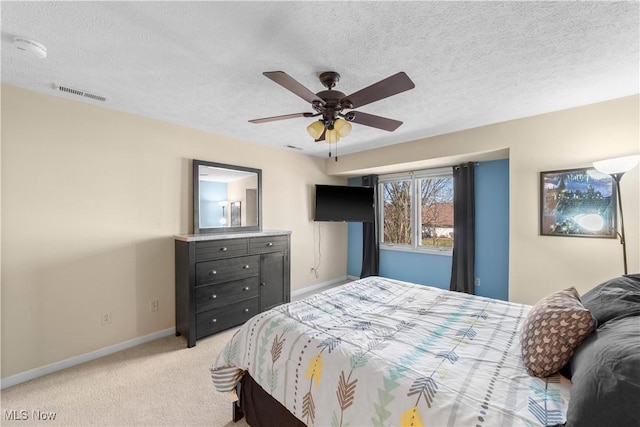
[76,360]
[352,277]
[318,286]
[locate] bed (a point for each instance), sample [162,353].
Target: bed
[378,351]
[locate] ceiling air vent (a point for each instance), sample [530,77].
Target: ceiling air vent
[79,92]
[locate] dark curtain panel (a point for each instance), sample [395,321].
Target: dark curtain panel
[370,246]
[462,270]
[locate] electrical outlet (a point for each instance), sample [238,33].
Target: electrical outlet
[106,318]
[153,305]
[477,282]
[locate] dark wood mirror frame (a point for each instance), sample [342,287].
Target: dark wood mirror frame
[198,227]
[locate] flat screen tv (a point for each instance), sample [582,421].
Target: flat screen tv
[344,203]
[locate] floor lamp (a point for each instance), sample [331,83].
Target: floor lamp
[617,168]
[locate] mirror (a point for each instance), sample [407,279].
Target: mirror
[226,198]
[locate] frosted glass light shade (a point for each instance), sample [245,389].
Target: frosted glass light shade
[315,129]
[343,127]
[617,165]
[331,136]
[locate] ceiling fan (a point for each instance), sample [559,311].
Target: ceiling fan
[330,104]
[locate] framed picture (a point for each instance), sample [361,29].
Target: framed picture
[577,203]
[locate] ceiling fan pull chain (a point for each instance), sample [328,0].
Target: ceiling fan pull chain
[336,151]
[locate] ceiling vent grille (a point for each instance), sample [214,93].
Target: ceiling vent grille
[79,92]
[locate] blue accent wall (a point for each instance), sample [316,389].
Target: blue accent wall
[492,241]
[492,229]
[354,236]
[425,269]
[354,250]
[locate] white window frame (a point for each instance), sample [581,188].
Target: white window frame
[416,214]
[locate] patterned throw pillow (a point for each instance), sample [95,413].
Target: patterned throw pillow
[552,331]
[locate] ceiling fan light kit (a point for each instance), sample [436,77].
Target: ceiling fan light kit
[343,127]
[315,129]
[331,136]
[331,104]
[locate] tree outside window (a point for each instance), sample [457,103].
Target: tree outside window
[437,212]
[397,212]
[417,210]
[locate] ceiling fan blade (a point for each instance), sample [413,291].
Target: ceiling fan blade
[392,85]
[284,117]
[288,82]
[372,120]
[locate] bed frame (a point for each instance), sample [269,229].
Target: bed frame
[259,408]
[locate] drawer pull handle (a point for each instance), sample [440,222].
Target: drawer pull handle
[214,320]
[269,244]
[214,296]
[246,310]
[223,249]
[212,272]
[261,283]
[246,266]
[246,289]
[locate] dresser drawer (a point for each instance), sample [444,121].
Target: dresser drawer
[215,296]
[217,249]
[224,270]
[265,244]
[221,318]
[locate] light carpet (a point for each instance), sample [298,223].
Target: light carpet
[160,383]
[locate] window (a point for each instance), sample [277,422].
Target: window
[417,210]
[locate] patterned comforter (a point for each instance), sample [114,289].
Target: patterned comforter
[378,352]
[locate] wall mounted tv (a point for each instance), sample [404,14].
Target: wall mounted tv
[344,203]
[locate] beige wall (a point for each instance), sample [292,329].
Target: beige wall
[90,201]
[566,139]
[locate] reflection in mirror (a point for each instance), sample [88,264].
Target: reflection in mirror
[226,198]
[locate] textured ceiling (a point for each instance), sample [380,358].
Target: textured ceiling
[200,64]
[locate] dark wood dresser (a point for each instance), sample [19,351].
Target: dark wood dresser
[222,280]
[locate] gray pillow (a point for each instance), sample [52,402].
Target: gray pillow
[606,377]
[614,299]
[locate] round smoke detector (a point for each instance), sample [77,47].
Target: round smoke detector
[30,46]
